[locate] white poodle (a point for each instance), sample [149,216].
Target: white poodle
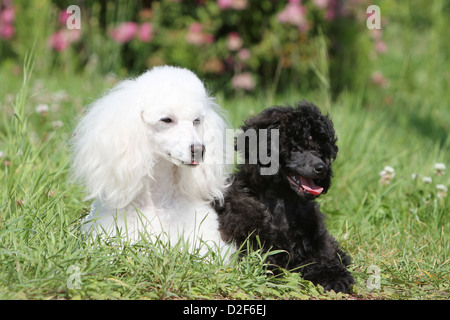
[150,152]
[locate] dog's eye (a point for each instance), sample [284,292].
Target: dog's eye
[319,151]
[197,121]
[166,120]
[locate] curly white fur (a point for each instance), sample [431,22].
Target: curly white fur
[132,152]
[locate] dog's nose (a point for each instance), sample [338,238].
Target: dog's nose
[197,150]
[320,168]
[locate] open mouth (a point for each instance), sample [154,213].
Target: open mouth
[179,162]
[304,184]
[191,164]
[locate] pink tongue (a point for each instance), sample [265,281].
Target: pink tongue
[309,186]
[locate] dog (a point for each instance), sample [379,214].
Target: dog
[147,153]
[278,212]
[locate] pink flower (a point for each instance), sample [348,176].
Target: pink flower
[7,15]
[208,38]
[321,4]
[145,32]
[234,41]
[58,42]
[337,9]
[376,34]
[61,39]
[332,10]
[7,28]
[380,46]
[244,54]
[6,31]
[124,32]
[224,4]
[196,36]
[233,4]
[295,14]
[63,16]
[239,4]
[196,27]
[243,81]
[379,79]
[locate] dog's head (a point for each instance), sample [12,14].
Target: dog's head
[176,112]
[165,114]
[306,147]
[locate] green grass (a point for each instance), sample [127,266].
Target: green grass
[401,228]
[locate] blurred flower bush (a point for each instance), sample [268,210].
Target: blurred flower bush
[234,44]
[7,14]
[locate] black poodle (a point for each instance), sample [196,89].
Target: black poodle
[278,211]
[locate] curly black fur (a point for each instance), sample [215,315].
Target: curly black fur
[278,209]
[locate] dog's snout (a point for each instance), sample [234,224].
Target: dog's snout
[320,168]
[197,149]
[197,152]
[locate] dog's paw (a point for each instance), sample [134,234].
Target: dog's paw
[338,285]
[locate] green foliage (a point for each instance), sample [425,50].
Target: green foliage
[396,114]
[195,35]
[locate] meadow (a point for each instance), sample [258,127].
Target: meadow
[388,205]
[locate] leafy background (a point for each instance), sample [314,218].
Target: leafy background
[386,90]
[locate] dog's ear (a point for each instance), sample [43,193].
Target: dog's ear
[110,153]
[258,143]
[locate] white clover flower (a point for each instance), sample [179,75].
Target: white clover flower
[387,171]
[442,190]
[61,95]
[387,174]
[439,168]
[42,108]
[57,124]
[427,180]
[414,176]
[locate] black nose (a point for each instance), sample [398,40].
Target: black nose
[320,168]
[197,150]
